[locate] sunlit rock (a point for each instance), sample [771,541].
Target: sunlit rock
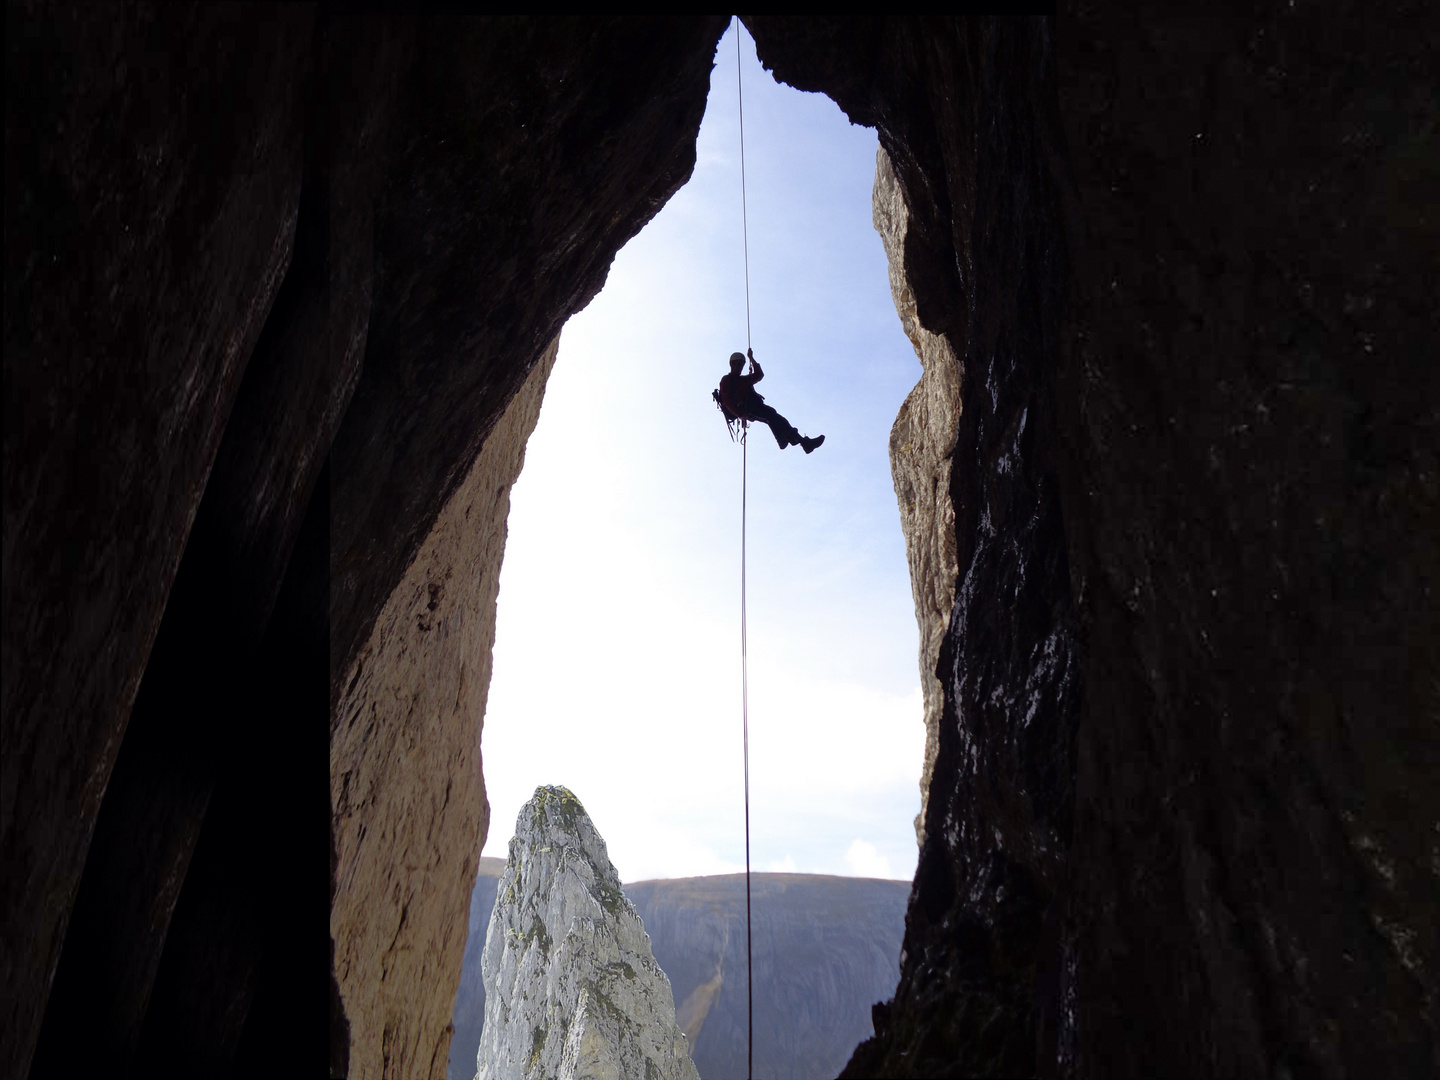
[406,789]
[922,441]
[571,986]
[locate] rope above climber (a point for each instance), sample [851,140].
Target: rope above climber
[739,401]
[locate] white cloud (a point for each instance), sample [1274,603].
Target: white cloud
[864,861]
[642,854]
[781,866]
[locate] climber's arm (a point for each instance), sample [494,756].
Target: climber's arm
[756,373]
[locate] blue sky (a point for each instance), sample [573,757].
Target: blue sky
[617,663]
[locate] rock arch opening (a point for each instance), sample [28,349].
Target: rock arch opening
[273,281]
[624,526]
[623,530]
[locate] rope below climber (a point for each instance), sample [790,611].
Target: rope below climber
[739,400]
[740,404]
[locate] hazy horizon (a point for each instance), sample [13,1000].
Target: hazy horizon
[728,873]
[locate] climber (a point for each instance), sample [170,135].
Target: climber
[739,401]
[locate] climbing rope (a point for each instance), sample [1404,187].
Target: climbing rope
[744,651]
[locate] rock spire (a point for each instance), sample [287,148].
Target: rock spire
[572,988]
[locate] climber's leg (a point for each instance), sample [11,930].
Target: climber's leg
[784,432]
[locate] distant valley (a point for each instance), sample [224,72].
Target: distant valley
[826,949]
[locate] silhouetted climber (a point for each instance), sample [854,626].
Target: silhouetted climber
[738,400]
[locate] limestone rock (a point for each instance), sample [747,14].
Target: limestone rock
[1196,462]
[137,282]
[571,986]
[921,444]
[407,795]
[335,248]
[827,949]
[979,250]
[1188,268]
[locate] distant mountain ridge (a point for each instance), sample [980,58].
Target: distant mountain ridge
[826,949]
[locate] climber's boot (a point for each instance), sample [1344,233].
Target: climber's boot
[812,444]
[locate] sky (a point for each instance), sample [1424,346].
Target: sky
[617,651]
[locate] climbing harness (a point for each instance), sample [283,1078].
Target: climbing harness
[744,652]
[733,423]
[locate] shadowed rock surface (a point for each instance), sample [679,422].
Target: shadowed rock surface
[966,115]
[572,989]
[150,215]
[1184,809]
[272,278]
[452,188]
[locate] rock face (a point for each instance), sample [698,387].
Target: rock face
[525,153]
[148,226]
[983,258]
[826,949]
[271,282]
[1181,820]
[922,443]
[1251,468]
[571,987]
[412,710]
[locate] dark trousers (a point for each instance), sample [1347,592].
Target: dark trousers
[784,431]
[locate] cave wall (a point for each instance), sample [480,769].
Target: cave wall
[1183,813]
[152,178]
[529,152]
[922,443]
[1252,505]
[273,276]
[220,682]
[965,113]
[408,808]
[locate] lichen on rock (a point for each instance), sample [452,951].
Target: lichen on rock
[572,988]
